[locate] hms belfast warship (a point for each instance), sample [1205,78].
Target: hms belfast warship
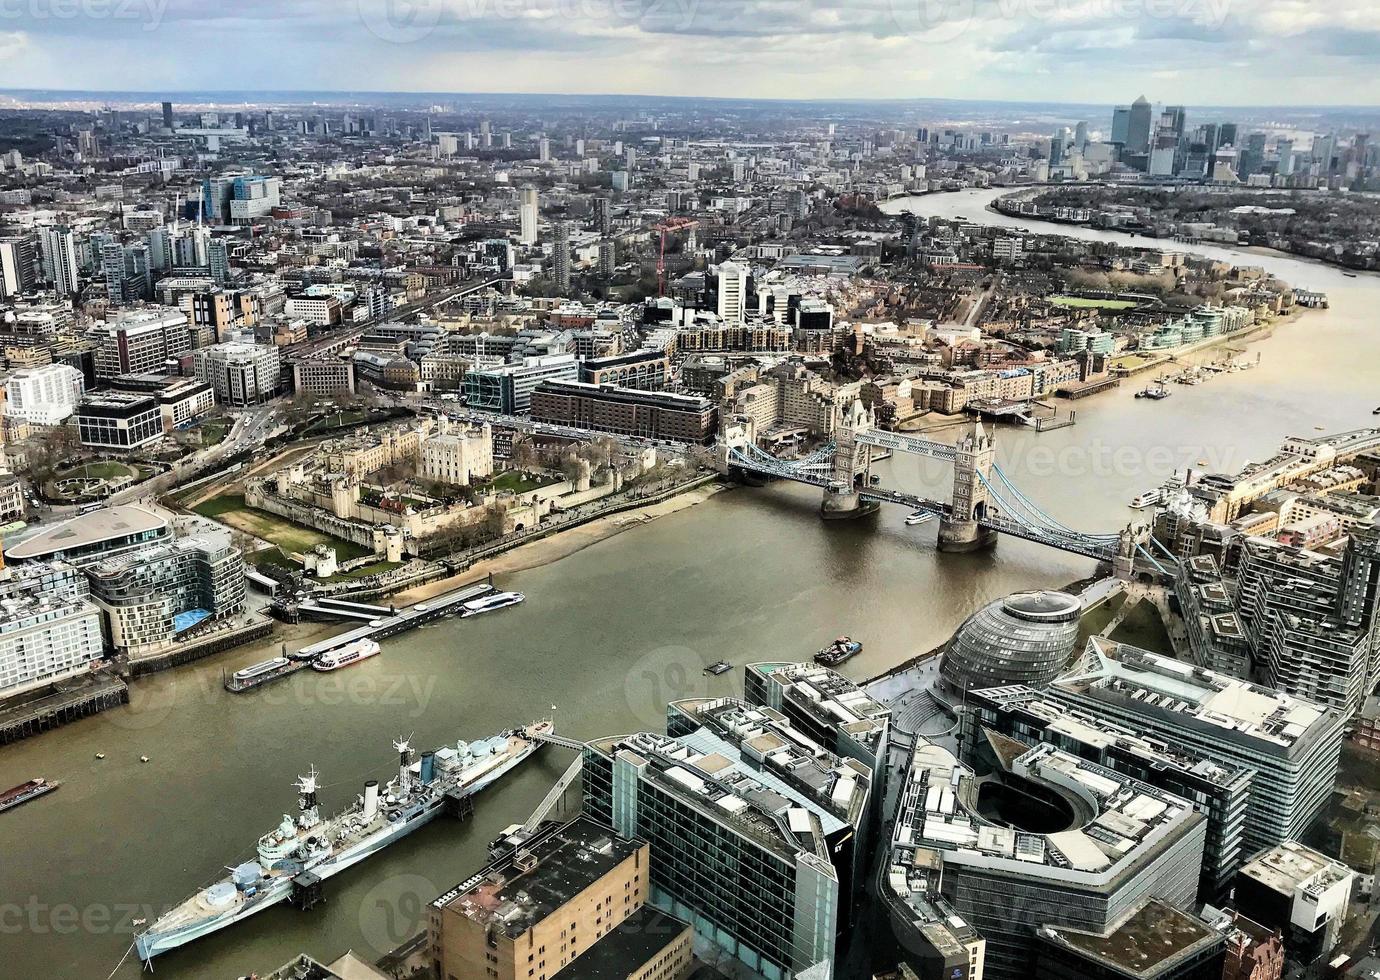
[306,849]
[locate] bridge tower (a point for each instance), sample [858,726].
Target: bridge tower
[852,466]
[960,531]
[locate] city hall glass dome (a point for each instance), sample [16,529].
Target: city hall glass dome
[1026,638]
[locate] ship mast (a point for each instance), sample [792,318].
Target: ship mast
[404,750]
[306,799]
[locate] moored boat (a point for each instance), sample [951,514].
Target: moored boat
[304,850]
[24,792]
[844,648]
[349,654]
[488,603]
[261,669]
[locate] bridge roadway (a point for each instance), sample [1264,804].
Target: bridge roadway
[1073,543]
[815,473]
[901,442]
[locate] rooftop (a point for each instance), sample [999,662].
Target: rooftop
[1290,867]
[1088,729]
[830,697]
[775,749]
[88,530]
[524,887]
[626,947]
[766,787]
[1116,817]
[1148,942]
[1196,693]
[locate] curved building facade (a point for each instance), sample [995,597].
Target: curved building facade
[1026,638]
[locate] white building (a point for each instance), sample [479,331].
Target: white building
[528,215]
[732,292]
[59,250]
[45,395]
[458,456]
[323,311]
[49,628]
[153,596]
[240,374]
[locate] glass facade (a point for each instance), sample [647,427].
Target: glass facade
[1026,638]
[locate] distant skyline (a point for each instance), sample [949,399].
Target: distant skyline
[1223,52]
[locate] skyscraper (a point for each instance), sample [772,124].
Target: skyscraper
[218,254]
[113,267]
[1253,156]
[1121,124]
[560,255]
[59,249]
[1056,147]
[544,149]
[1138,127]
[608,258]
[603,220]
[527,215]
[732,292]
[167,115]
[1175,118]
[16,266]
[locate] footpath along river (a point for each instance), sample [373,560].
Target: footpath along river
[609,635]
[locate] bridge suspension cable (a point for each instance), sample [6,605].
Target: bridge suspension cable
[1036,520]
[1041,515]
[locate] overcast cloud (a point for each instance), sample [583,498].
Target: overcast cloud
[1191,51]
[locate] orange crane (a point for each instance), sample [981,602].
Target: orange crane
[673,225]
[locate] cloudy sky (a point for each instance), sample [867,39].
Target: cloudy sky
[1246,52]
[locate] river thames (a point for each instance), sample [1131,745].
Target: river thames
[608,635]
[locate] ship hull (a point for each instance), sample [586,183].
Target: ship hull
[151,944]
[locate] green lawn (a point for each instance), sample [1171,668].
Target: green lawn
[104,470]
[511,481]
[1082,303]
[337,419]
[213,431]
[230,508]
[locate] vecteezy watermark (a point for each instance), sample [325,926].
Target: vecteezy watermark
[152,699]
[661,676]
[149,13]
[35,917]
[1094,460]
[409,21]
[394,911]
[946,20]
[400,21]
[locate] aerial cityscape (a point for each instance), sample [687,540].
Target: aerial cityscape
[571,491]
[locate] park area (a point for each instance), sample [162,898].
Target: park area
[231,510]
[515,481]
[93,481]
[1084,303]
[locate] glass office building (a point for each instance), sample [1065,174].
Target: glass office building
[753,835]
[1026,638]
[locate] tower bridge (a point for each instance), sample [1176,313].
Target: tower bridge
[983,504]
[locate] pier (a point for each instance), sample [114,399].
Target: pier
[384,621]
[61,703]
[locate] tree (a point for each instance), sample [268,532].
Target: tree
[525,456]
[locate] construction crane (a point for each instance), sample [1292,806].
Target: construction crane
[670,224]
